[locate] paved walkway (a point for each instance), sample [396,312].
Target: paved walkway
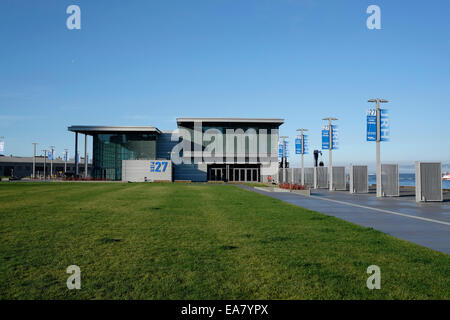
[426,224]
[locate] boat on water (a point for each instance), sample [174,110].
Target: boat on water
[446,176]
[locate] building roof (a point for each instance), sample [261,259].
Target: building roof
[241,120]
[39,159]
[96,129]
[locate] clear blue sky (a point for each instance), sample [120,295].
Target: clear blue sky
[148,62]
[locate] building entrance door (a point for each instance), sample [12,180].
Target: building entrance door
[242,175]
[237,173]
[245,175]
[217,174]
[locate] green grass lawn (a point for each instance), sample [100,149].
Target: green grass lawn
[196,241]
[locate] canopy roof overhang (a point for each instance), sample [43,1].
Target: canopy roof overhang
[112,129]
[275,121]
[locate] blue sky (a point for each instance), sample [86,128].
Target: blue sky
[148,62]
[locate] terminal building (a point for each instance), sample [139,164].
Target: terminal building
[146,153]
[22,167]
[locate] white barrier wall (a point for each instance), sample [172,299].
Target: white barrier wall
[281,178]
[296,175]
[309,177]
[428,181]
[269,170]
[291,175]
[389,180]
[146,170]
[321,178]
[359,179]
[339,182]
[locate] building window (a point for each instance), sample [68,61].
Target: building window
[110,149]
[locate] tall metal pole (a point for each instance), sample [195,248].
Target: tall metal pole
[65,162]
[283,159]
[34,160]
[330,137]
[379,191]
[52,148]
[85,157]
[302,137]
[378,113]
[331,154]
[45,163]
[76,154]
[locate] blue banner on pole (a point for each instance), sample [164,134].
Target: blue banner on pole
[305,144]
[372,125]
[384,125]
[280,150]
[334,132]
[298,146]
[299,143]
[325,138]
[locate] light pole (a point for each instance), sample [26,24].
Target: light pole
[45,162]
[330,137]
[85,157]
[302,137]
[51,161]
[378,101]
[34,160]
[283,159]
[65,162]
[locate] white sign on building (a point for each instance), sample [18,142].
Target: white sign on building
[146,170]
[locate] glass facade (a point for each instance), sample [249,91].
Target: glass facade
[223,127]
[110,149]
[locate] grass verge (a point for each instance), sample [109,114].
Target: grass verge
[196,241]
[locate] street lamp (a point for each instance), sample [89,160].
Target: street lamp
[65,162]
[52,148]
[378,101]
[283,158]
[330,137]
[45,162]
[34,160]
[301,130]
